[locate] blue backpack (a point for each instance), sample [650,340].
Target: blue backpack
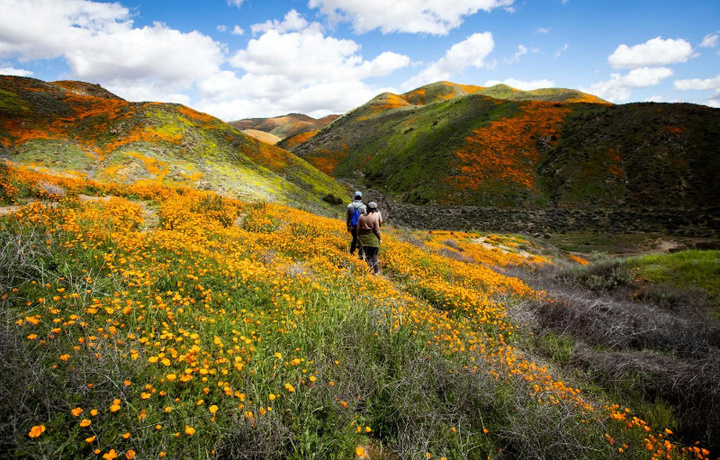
[355,216]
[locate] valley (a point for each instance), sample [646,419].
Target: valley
[174,288]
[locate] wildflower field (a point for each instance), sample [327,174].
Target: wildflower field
[151,321]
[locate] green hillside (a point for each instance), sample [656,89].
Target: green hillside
[82,128]
[448,144]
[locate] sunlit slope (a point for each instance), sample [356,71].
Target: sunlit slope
[74,126]
[285,126]
[446,144]
[148,321]
[262,136]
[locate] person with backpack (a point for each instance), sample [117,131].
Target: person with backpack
[354,211]
[368,235]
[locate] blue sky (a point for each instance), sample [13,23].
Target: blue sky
[259,58]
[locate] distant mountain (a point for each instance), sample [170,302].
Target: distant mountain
[456,145]
[285,126]
[82,127]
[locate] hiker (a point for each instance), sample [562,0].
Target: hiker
[368,235]
[354,211]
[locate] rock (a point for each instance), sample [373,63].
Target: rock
[52,189]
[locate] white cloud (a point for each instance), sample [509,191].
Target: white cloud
[714,101]
[655,98]
[654,52]
[515,58]
[437,17]
[151,52]
[619,87]
[470,52]
[307,55]
[698,84]
[292,22]
[561,51]
[15,72]
[289,66]
[646,76]
[237,30]
[100,44]
[148,91]
[385,64]
[523,85]
[316,98]
[710,40]
[237,98]
[292,66]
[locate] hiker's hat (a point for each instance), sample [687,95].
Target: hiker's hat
[358,194]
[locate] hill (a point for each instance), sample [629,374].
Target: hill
[82,128]
[285,126]
[453,145]
[154,321]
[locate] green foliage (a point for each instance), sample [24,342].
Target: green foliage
[608,275]
[684,269]
[59,155]
[559,348]
[680,275]
[11,104]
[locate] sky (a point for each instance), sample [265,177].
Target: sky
[238,59]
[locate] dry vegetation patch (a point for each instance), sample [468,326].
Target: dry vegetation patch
[655,344]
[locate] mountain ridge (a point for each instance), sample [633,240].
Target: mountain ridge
[445,90]
[460,147]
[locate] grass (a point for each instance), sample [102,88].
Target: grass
[681,270]
[237,330]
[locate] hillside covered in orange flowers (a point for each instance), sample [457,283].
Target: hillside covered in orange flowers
[83,129]
[446,144]
[142,320]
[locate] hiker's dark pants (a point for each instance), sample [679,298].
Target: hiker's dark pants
[371,257]
[354,243]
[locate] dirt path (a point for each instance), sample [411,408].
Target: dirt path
[86,198]
[6,210]
[505,249]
